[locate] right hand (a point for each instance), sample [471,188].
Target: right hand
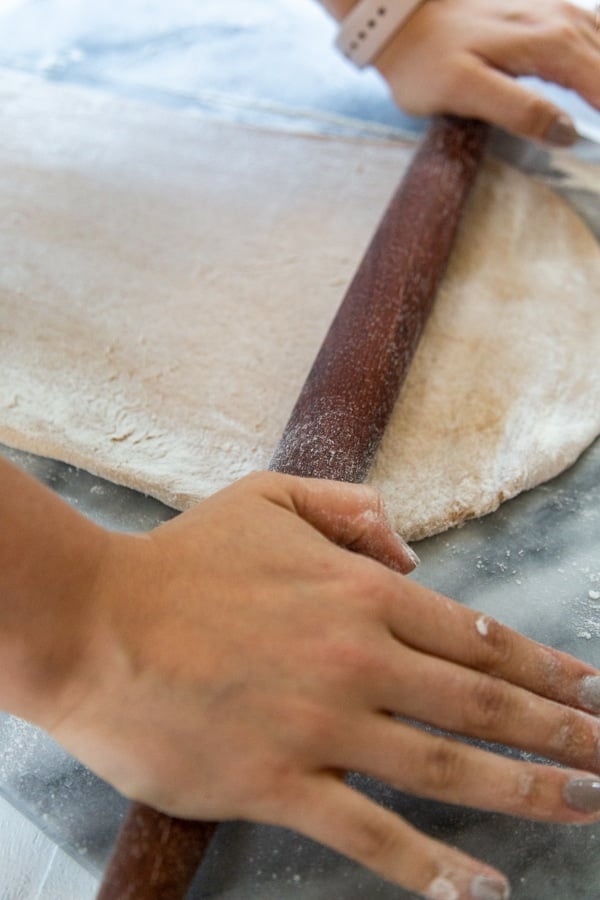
[463,57]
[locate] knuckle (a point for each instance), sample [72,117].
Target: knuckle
[530,793]
[443,766]
[369,514]
[364,582]
[379,507]
[373,843]
[370,590]
[372,498]
[263,796]
[564,31]
[534,117]
[490,704]
[538,793]
[575,740]
[265,782]
[317,729]
[352,660]
[495,645]
[562,42]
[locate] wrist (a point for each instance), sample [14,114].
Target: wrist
[49,559]
[370,26]
[338,9]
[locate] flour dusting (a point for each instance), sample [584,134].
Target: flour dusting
[159,333]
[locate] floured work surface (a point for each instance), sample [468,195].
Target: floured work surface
[167,283]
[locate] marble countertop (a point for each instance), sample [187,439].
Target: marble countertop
[534,564]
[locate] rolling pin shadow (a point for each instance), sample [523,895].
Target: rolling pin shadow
[338,421]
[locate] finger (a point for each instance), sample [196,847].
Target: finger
[440,627]
[477,705]
[569,54]
[334,814]
[450,771]
[589,24]
[350,515]
[500,99]
[581,75]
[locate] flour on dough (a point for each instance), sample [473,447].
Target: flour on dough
[167,282]
[504,392]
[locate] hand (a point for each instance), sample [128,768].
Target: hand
[462,57]
[238,663]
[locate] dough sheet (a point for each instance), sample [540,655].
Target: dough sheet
[167,281]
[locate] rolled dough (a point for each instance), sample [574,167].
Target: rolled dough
[167,282]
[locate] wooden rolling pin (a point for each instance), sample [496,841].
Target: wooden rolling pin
[338,421]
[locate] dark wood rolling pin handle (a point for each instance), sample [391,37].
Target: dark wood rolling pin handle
[338,421]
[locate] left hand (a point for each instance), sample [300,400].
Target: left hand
[238,660]
[463,57]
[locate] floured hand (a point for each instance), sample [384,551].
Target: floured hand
[239,660]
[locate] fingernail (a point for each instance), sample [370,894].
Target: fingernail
[408,550]
[583,794]
[441,889]
[562,132]
[589,693]
[482,887]
[485,888]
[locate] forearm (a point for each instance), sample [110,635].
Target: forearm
[49,556]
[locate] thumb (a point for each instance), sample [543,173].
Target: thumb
[353,516]
[503,101]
